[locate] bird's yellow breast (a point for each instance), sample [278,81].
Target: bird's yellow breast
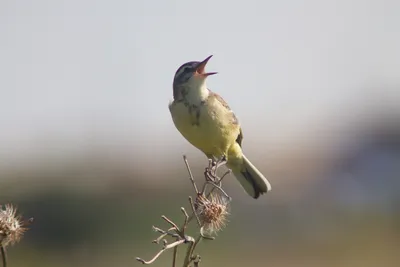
[208,126]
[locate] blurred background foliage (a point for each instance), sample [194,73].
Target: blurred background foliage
[88,148]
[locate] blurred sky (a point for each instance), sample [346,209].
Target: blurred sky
[75,73]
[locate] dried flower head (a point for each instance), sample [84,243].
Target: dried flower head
[212,211]
[11,226]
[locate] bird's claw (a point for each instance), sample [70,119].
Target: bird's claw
[211,170]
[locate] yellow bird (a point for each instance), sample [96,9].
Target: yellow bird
[208,123]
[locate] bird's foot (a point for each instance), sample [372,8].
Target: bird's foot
[211,170]
[208,173]
[221,162]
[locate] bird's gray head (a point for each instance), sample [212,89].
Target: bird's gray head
[190,72]
[192,69]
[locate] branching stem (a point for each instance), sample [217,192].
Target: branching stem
[178,233]
[3,256]
[169,246]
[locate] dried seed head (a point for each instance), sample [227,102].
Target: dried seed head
[11,226]
[212,212]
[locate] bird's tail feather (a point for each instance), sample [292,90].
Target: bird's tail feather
[251,179]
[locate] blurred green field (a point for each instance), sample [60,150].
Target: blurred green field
[74,228]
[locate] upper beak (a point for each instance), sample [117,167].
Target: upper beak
[202,66]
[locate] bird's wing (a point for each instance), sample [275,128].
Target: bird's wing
[234,118]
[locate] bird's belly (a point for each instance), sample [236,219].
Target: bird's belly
[207,131]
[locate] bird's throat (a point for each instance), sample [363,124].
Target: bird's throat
[197,92]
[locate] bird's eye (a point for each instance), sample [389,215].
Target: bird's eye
[184,73]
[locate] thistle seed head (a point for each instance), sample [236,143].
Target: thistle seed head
[11,226]
[212,212]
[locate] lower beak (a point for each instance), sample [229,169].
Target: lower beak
[202,66]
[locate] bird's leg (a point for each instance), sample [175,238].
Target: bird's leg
[217,164]
[211,170]
[221,162]
[210,164]
[208,171]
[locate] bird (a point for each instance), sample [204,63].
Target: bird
[206,121]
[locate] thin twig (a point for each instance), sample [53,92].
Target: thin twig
[169,246]
[174,255]
[190,173]
[194,214]
[225,174]
[171,223]
[164,234]
[196,261]
[207,173]
[220,181]
[178,233]
[189,251]
[3,256]
[186,220]
[197,242]
[218,187]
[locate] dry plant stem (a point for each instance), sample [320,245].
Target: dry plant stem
[194,212]
[174,226]
[178,233]
[186,221]
[175,253]
[198,221]
[174,256]
[163,234]
[208,173]
[3,256]
[190,174]
[219,182]
[166,247]
[197,242]
[215,186]
[196,261]
[189,252]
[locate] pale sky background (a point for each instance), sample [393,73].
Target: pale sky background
[73,72]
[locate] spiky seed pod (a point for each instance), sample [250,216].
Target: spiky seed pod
[11,226]
[212,212]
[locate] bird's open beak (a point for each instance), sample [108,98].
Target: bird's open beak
[201,67]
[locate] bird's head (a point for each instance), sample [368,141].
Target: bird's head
[192,72]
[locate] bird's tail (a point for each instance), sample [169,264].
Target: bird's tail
[251,179]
